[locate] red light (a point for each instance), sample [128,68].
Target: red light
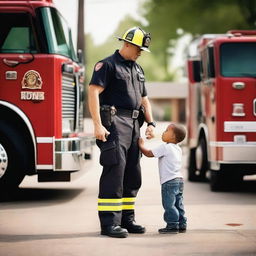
[238,109]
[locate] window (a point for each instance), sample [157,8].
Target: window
[57,33]
[16,34]
[210,63]
[238,59]
[197,65]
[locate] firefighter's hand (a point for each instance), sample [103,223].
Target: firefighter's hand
[101,133]
[150,132]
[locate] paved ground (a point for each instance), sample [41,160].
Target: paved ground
[61,219]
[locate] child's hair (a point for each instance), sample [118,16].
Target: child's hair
[179,131]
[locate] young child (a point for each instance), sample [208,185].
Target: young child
[169,162]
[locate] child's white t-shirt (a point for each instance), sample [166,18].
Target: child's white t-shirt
[169,161]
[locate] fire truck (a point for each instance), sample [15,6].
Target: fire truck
[221,109]
[41,96]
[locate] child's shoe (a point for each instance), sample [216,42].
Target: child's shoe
[167,230]
[182,230]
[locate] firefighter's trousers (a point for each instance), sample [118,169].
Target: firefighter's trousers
[121,176]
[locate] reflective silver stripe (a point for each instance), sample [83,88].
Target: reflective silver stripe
[254,107]
[116,204]
[231,144]
[44,167]
[44,139]
[110,204]
[128,203]
[241,126]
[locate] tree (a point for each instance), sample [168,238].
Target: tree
[154,70]
[194,17]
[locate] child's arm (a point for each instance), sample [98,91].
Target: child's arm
[145,151]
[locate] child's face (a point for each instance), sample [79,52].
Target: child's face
[168,135]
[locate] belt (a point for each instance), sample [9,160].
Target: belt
[134,114]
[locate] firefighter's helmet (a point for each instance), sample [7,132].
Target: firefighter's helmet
[138,37]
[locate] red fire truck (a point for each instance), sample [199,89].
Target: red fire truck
[221,108]
[41,96]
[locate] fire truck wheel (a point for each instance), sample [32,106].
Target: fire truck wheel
[191,165]
[192,171]
[216,181]
[225,180]
[201,159]
[13,155]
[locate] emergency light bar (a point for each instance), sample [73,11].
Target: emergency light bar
[242,32]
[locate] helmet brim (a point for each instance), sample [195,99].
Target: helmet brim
[145,49]
[141,47]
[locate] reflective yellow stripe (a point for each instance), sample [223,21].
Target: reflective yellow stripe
[128,203]
[109,208]
[129,199]
[128,207]
[109,204]
[108,200]
[116,204]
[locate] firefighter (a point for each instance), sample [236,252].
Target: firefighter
[117,95]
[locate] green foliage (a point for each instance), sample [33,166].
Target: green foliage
[198,16]
[95,53]
[164,18]
[195,17]
[154,70]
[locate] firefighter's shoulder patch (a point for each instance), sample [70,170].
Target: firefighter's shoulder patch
[98,66]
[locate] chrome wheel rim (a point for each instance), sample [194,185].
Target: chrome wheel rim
[199,157]
[3,161]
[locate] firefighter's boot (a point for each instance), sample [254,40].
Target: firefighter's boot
[129,223]
[114,231]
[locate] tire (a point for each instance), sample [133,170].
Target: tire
[217,181]
[226,179]
[13,159]
[198,162]
[201,159]
[192,176]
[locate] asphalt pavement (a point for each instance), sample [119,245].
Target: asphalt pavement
[53,219]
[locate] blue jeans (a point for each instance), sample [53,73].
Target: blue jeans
[172,200]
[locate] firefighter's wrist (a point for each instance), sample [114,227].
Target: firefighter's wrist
[152,124]
[97,124]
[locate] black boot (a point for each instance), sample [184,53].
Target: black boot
[128,222]
[132,227]
[114,231]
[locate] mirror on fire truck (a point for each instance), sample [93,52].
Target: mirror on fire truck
[80,56]
[211,68]
[196,65]
[194,70]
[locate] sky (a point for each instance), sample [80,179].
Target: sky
[101,16]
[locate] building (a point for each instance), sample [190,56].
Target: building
[168,100]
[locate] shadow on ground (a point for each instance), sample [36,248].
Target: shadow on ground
[43,195]
[20,238]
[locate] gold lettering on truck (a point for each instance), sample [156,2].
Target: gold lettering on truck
[32,95]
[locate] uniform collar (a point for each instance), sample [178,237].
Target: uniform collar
[122,59]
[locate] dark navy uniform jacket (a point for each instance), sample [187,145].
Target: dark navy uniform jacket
[123,82]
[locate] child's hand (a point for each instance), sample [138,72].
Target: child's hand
[140,141]
[144,151]
[150,132]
